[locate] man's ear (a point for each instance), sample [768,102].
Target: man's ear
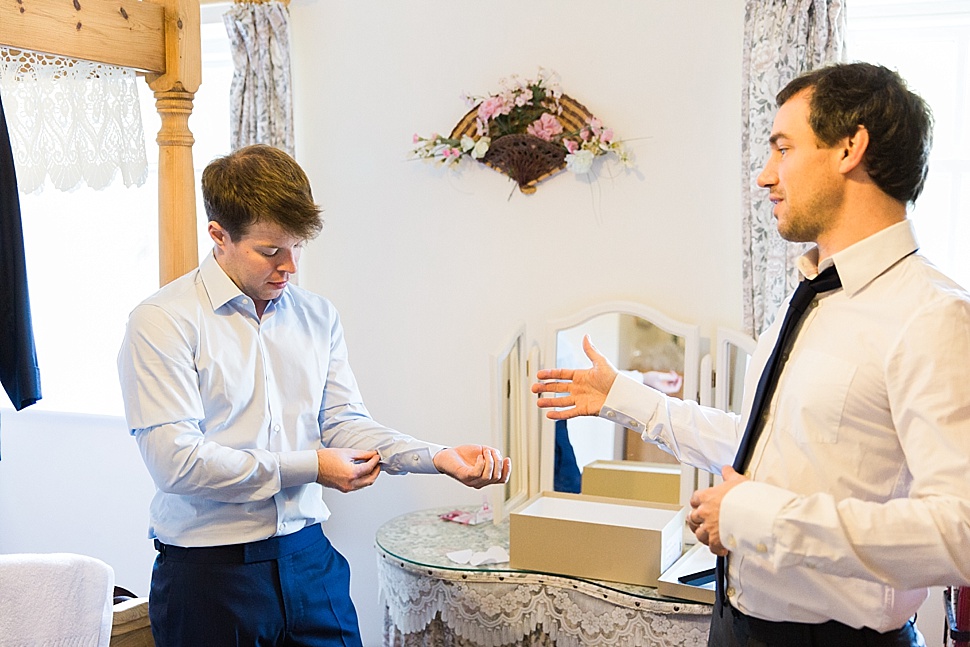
[854,149]
[218,235]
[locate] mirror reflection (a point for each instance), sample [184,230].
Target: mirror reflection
[641,350]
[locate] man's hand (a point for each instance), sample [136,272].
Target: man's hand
[474,465]
[705,514]
[347,469]
[586,389]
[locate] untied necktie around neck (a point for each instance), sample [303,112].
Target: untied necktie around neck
[806,291]
[826,281]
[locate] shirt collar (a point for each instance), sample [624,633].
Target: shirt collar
[861,263]
[218,285]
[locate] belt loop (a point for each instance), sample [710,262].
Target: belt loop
[160,547]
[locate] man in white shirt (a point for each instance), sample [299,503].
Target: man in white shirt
[855,497]
[240,396]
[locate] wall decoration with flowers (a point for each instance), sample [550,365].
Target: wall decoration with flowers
[529,130]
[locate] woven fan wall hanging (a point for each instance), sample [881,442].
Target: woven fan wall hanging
[529,131]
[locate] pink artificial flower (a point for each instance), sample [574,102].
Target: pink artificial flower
[415,139]
[571,145]
[490,107]
[545,127]
[606,136]
[584,134]
[446,152]
[595,125]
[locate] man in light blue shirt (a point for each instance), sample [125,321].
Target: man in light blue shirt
[240,396]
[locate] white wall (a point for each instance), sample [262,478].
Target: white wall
[433,272]
[75,484]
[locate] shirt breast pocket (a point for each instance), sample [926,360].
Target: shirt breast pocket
[812,403]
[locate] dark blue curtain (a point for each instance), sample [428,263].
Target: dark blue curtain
[19,372]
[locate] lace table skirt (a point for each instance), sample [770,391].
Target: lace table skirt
[430,606]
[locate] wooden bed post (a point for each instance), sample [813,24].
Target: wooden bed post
[178,247]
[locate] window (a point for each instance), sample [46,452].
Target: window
[93,255]
[928,43]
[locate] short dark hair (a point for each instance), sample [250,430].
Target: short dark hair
[900,124]
[259,183]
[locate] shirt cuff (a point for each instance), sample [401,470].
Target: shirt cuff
[629,399]
[298,468]
[747,517]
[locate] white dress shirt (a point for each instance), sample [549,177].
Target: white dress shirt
[860,490]
[228,409]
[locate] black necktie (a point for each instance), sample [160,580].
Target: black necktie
[806,291]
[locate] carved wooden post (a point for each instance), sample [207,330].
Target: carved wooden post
[178,248]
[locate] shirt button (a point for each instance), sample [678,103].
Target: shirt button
[633,424]
[761,548]
[732,542]
[730,592]
[276,427]
[610,414]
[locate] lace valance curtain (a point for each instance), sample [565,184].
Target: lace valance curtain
[261,105]
[782,39]
[75,122]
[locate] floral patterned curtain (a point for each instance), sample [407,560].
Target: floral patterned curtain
[261,104]
[782,39]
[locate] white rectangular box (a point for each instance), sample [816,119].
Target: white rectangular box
[598,538]
[698,558]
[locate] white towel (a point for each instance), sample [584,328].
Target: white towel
[55,600]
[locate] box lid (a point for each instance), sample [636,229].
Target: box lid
[601,510]
[698,558]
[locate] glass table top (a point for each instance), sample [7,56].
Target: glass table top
[423,539]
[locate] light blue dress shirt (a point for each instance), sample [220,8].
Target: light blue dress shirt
[228,410]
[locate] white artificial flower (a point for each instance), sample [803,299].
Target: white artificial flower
[467,143]
[481,147]
[580,162]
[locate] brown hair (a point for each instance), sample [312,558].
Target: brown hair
[259,183]
[900,124]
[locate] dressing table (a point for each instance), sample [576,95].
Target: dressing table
[430,600]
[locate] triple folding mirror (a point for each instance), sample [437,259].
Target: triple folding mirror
[640,341]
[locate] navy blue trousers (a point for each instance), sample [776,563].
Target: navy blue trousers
[291,591]
[730,628]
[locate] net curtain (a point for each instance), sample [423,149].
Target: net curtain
[72,123]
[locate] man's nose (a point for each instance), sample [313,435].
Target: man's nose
[767,177]
[288,264]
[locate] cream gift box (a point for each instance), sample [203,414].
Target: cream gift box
[658,482]
[597,538]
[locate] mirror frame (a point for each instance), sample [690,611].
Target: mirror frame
[727,337]
[517,388]
[689,332]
